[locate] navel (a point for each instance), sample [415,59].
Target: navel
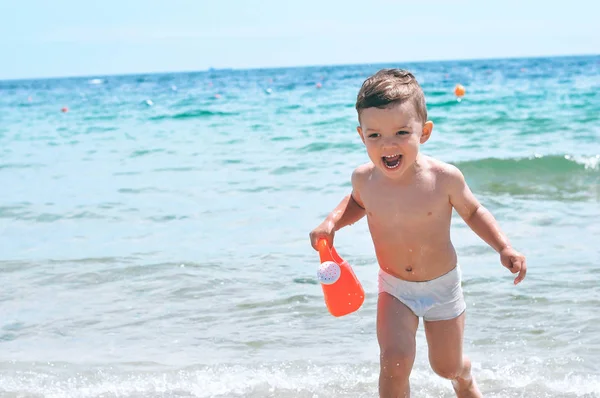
[429,213]
[409,269]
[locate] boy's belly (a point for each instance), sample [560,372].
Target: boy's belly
[414,258]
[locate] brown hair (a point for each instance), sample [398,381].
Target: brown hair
[388,87]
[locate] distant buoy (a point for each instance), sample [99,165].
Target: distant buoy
[149,102]
[268,91]
[459,90]
[217,96]
[318,85]
[64,109]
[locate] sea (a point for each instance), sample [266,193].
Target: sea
[154,231]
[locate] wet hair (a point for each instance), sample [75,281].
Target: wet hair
[389,87]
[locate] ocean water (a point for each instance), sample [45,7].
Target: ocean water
[154,238]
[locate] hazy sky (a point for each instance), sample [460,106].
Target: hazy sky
[40,38]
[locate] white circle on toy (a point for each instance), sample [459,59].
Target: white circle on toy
[329,272]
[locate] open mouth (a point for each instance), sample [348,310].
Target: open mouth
[392,161]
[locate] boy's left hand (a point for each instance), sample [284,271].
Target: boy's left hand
[515,262]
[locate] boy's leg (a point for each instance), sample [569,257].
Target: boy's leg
[396,329]
[445,341]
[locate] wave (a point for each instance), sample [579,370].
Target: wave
[549,177]
[332,122]
[537,164]
[20,165]
[200,113]
[109,117]
[277,378]
[443,104]
[325,146]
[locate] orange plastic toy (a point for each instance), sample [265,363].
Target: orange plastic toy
[342,290]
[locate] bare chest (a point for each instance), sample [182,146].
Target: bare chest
[388,205]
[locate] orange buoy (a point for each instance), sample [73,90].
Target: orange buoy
[64,109]
[459,90]
[342,290]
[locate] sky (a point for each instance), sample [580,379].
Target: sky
[43,38]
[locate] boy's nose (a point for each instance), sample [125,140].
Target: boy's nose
[390,144]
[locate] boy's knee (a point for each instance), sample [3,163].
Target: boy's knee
[448,371]
[397,360]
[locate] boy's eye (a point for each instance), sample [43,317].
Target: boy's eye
[373,135]
[402,132]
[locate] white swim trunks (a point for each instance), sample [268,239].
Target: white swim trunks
[436,300]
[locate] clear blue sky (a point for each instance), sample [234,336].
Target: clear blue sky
[42,38]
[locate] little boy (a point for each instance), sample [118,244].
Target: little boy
[408,200]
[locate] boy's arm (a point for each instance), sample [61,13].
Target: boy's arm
[477,217]
[347,212]
[351,209]
[483,223]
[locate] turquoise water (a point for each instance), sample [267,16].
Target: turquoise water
[154,239]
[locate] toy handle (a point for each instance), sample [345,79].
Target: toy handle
[324,249]
[322,244]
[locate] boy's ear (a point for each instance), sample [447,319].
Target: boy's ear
[426,133]
[360,132]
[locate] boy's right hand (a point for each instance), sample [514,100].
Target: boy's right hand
[326,230]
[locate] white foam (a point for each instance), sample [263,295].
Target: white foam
[589,162]
[285,380]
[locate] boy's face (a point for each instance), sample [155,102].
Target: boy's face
[392,137]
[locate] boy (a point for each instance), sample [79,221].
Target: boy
[408,200]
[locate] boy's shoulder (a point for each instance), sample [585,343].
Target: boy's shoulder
[443,172]
[361,173]
[364,169]
[438,166]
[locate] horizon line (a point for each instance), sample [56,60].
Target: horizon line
[209,69]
